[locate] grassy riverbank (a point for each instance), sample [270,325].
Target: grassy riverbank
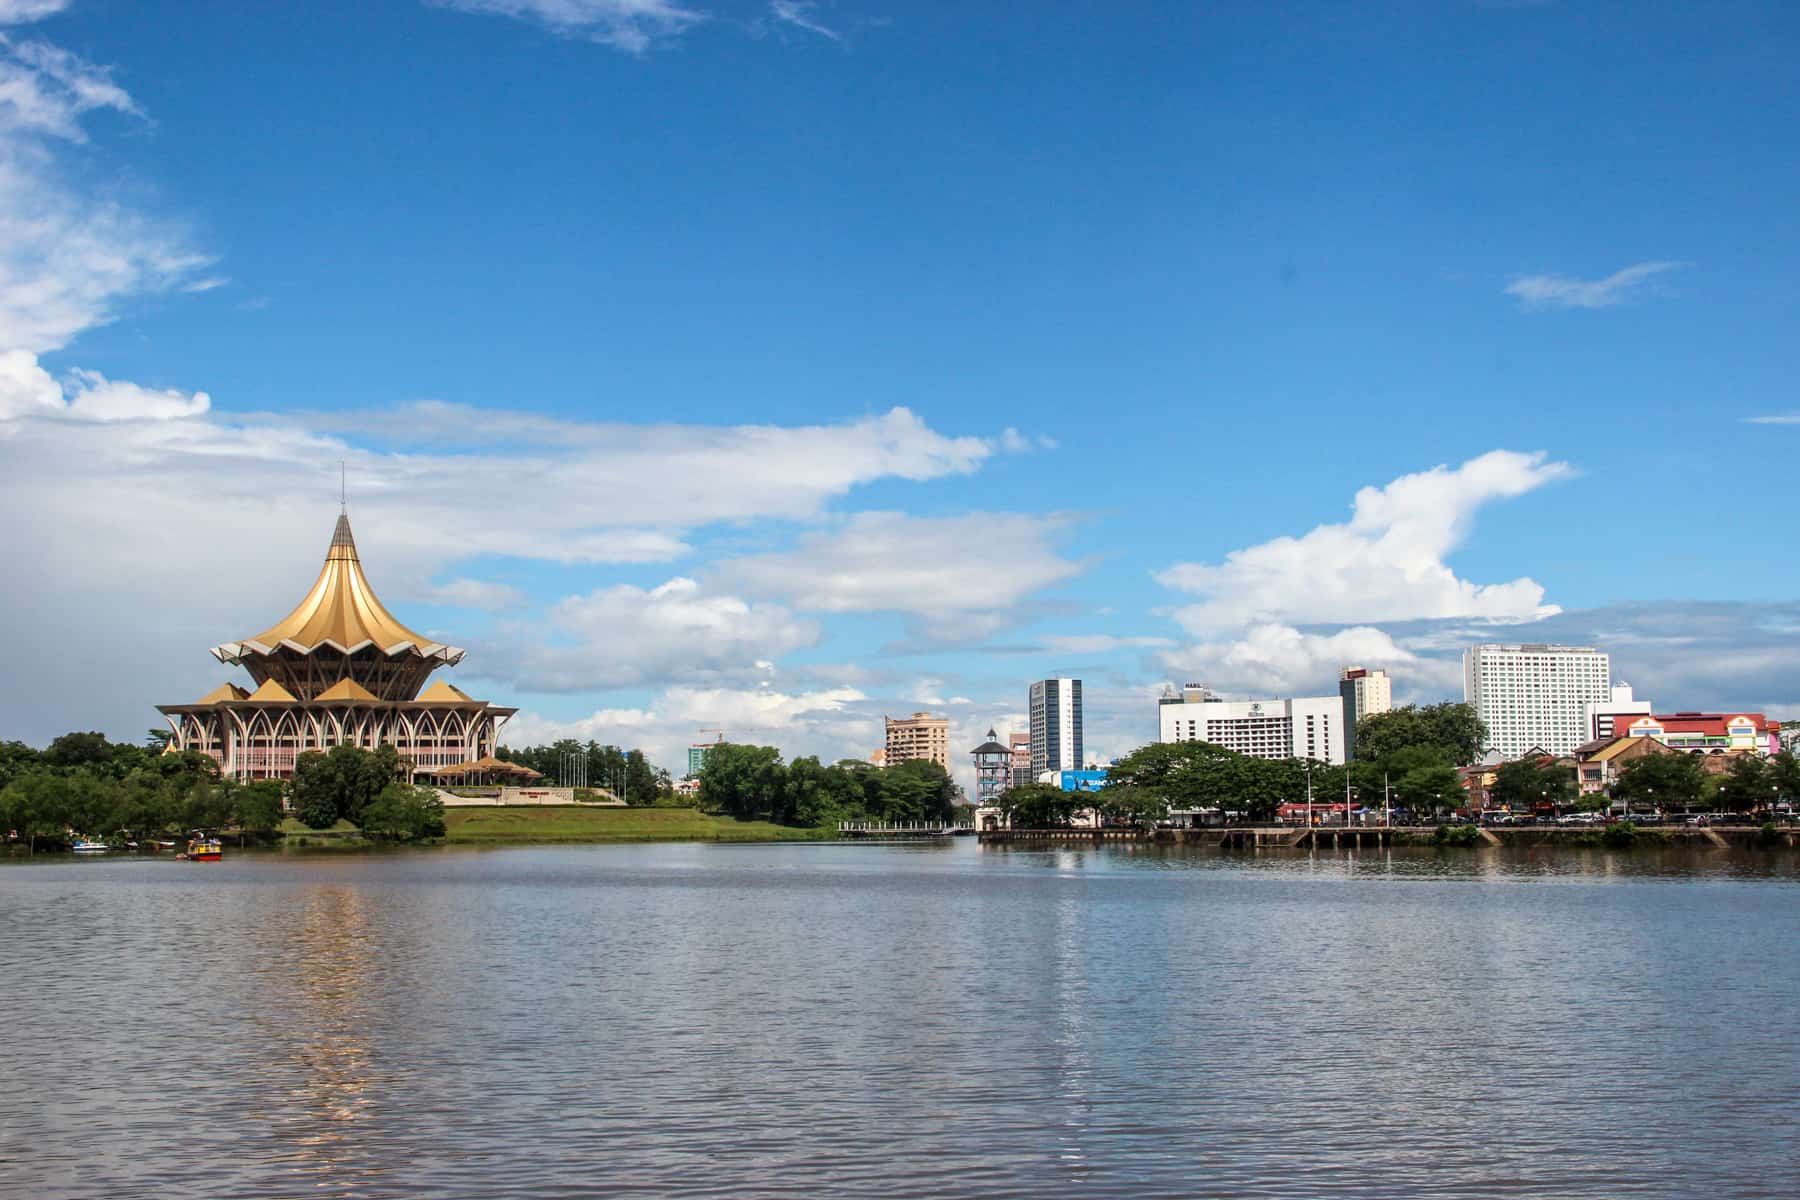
[564,824]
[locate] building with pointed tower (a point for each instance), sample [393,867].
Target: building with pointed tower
[338,669]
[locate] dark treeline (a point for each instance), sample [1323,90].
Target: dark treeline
[627,774]
[83,785]
[753,784]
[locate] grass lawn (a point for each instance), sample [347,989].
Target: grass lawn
[558,823]
[294,827]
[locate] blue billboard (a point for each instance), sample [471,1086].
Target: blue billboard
[1082,781]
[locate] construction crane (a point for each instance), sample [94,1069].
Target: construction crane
[718,736]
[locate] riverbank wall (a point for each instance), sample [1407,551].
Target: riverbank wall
[1276,837]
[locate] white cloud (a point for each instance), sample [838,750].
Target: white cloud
[1099,643]
[799,13]
[1278,660]
[19,12]
[961,575]
[1774,419]
[833,723]
[1563,291]
[627,636]
[479,594]
[1385,564]
[633,26]
[66,256]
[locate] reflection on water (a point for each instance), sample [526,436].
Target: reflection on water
[1071,1021]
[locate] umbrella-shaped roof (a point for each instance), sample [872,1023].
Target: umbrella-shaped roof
[341,611]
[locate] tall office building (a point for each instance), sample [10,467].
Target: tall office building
[1364,693]
[1304,727]
[1055,726]
[1536,697]
[918,736]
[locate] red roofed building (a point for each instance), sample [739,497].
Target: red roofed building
[1709,733]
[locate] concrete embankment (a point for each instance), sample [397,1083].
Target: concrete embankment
[1254,837]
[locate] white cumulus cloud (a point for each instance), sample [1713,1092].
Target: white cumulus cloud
[1385,564]
[628,636]
[961,575]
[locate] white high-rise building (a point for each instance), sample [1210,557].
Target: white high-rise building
[1535,697]
[1307,727]
[1603,720]
[1055,726]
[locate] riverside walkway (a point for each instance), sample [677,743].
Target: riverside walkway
[1278,837]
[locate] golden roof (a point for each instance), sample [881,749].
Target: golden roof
[271,693]
[346,689]
[225,691]
[341,612]
[444,693]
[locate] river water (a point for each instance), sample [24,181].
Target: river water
[931,1021]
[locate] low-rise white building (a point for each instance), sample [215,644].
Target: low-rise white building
[1305,727]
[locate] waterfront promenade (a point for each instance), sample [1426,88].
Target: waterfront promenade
[1275,837]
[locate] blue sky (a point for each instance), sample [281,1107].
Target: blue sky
[778,365]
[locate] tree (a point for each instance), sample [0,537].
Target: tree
[16,758]
[341,782]
[1784,776]
[820,796]
[1748,784]
[1430,789]
[256,807]
[1523,784]
[1662,781]
[1041,806]
[746,782]
[404,813]
[1132,805]
[640,779]
[1452,727]
[157,740]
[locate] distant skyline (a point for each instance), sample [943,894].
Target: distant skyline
[777,366]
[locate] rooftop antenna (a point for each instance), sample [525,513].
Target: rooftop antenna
[343,489]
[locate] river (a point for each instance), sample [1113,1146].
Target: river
[893,1021]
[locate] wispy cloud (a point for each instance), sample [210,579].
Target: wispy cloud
[799,14]
[1565,291]
[1774,419]
[634,26]
[18,12]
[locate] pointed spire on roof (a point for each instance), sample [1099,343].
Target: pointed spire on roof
[341,539]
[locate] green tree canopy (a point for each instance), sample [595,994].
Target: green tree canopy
[341,782]
[1525,783]
[1663,781]
[1453,728]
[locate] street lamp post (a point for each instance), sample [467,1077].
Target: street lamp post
[1309,816]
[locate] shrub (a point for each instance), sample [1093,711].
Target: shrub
[1622,834]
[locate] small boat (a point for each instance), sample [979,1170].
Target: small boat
[90,846]
[203,850]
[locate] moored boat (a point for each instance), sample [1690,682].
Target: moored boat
[90,846]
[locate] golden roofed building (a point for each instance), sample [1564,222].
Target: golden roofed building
[338,669]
